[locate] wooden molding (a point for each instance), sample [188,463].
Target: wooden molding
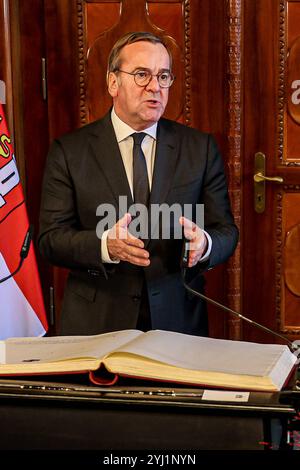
[187,63]
[278,254]
[81,63]
[281,79]
[234,139]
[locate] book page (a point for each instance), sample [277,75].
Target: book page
[59,348]
[206,354]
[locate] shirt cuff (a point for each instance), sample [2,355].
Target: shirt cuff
[208,250]
[104,251]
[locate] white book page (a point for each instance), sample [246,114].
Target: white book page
[207,354]
[58,348]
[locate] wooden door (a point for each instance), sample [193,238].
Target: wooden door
[271,238]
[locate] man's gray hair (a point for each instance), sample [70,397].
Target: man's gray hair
[114,60]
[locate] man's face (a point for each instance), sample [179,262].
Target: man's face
[140,107]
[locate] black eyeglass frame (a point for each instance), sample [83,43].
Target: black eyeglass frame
[151,75]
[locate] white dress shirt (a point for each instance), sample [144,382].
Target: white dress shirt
[125,141]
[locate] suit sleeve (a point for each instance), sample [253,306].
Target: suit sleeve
[61,240]
[218,219]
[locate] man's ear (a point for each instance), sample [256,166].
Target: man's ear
[112,84]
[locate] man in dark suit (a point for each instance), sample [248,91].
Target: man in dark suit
[118,280]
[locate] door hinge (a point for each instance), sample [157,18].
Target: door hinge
[44,78]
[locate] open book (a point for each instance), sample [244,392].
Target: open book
[155,355]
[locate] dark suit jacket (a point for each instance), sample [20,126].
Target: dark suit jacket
[84,169]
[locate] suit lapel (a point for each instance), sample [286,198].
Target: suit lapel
[106,149]
[165,163]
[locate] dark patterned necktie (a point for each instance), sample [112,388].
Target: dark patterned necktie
[141,190]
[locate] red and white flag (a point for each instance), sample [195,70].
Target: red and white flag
[22,311]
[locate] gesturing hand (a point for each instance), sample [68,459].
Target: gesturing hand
[123,246]
[197,240]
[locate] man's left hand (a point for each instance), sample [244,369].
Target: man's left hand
[197,240]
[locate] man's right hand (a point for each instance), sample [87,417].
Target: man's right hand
[123,246]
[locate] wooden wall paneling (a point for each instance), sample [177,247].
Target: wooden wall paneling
[13,74]
[20,55]
[62,53]
[33,114]
[63,44]
[205,63]
[215,50]
[170,18]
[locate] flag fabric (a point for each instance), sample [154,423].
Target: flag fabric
[22,311]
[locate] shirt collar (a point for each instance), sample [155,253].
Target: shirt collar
[122,130]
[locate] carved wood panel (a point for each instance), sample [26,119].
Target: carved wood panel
[97,38]
[291,155]
[234,145]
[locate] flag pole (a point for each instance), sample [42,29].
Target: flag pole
[2,92]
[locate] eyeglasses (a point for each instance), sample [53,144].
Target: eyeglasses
[143,77]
